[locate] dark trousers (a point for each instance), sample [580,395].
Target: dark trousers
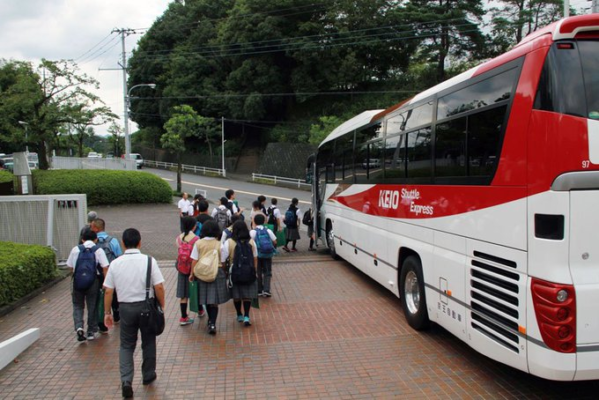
[130,324]
[80,300]
[264,274]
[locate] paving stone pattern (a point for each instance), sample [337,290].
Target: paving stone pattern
[327,332]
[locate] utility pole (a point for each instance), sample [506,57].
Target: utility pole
[223,145]
[595,7]
[566,8]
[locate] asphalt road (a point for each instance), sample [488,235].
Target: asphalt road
[246,192]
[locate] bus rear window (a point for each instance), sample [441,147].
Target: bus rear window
[589,57]
[569,82]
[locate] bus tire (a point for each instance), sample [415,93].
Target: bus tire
[331,241]
[412,296]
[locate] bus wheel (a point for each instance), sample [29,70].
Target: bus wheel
[413,300]
[331,241]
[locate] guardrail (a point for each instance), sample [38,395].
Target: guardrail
[280,179]
[184,167]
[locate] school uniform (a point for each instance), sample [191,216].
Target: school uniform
[240,291]
[183,279]
[293,231]
[215,292]
[264,263]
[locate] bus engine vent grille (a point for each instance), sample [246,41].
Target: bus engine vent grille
[494,300]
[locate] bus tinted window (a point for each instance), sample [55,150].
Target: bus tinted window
[484,141]
[419,154]
[482,94]
[375,152]
[589,56]
[561,85]
[370,133]
[395,124]
[395,157]
[422,115]
[450,148]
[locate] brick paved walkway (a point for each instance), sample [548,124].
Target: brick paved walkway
[327,332]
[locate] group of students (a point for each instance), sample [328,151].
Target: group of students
[243,270]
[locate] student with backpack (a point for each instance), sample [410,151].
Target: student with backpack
[291,219]
[273,215]
[256,209]
[87,262]
[241,252]
[222,215]
[266,243]
[262,200]
[185,243]
[112,249]
[208,270]
[201,218]
[233,205]
[308,220]
[228,231]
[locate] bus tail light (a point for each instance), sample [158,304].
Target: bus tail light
[555,308]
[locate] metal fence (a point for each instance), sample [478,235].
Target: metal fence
[279,179]
[93,163]
[52,220]
[184,167]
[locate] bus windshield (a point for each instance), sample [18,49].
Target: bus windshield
[569,83]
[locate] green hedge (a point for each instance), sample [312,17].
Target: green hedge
[104,186]
[6,176]
[24,268]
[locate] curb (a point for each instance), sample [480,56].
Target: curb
[5,310]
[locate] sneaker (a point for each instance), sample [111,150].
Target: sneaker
[202,312]
[127,390]
[286,249]
[81,335]
[151,379]
[293,250]
[240,318]
[246,321]
[185,321]
[92,335]
[212,329]
[266,294]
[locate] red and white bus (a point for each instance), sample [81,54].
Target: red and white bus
[477,202]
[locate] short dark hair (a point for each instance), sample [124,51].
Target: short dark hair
[259,219]
[189,224]
[256,204]
[224,201]
[88,234]
[203,206]
[294,201]
[274,201]
[131,238]
[198,197]
[210,229]
[229,193]
[240,232]
[261,199]
[235,218]
[99,224]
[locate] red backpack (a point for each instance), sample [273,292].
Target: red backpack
[184,255]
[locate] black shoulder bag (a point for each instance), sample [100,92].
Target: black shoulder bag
[152,316]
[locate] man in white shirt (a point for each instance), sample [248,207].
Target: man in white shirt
[274,210]
[88,296]
[183,205]
[127,275]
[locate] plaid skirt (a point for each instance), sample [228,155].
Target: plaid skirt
[249,291]
[292,234]
[182,286]
[215,292]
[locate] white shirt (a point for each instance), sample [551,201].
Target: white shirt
[88,244]
[233,207]
[224,250]
[195,255]
[127,275]
[260,227]
[183,206]
[190,209]
[276,212]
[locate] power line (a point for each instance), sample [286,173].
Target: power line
[93,47]
[96,55]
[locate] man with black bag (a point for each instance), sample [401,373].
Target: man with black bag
[128,275]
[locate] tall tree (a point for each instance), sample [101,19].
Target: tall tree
[46,98]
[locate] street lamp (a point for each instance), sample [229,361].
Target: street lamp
[127,105]
[25,126]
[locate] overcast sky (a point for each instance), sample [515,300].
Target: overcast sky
[67,29]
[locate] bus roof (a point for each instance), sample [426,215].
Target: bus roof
[354,123]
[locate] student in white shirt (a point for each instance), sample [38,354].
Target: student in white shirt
[88,297]
[264,270]
[127,275]
[222,215]
[184,206]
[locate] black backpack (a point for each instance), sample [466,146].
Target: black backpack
[272,220]
[86,269]
[307,218]
[243,271]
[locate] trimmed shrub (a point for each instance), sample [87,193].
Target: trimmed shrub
[24,268]
[104,186]
[6,176]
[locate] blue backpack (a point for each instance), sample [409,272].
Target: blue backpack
[86,270]
[291,218]
[264,244]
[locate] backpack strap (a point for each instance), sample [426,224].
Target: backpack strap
[148,278]
[194,240]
